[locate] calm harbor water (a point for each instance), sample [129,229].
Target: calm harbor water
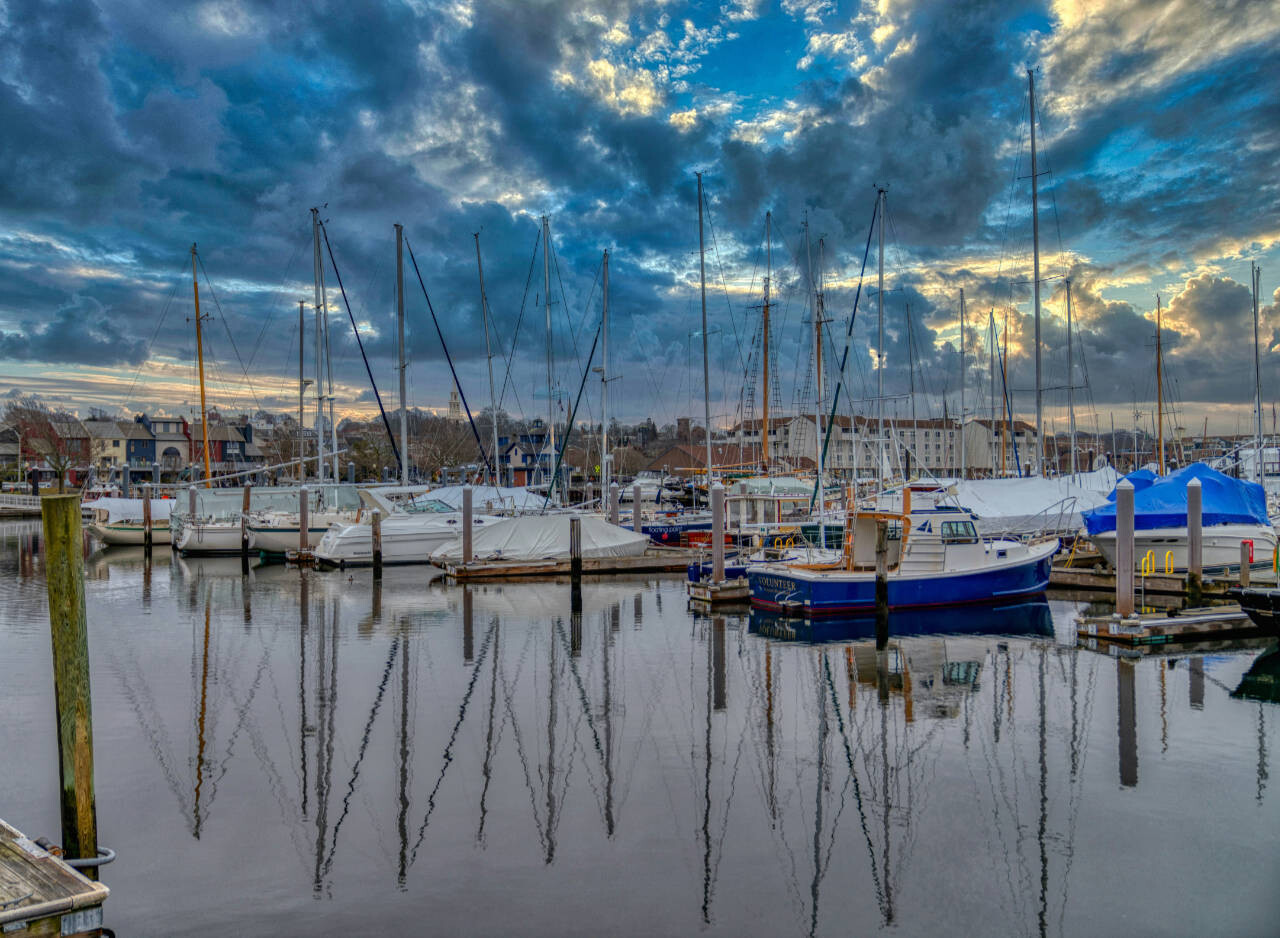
[300,753]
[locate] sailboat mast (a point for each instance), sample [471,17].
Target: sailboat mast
[404,401]
[204,419]
[488,354]
[604,384]
[1035,246]
[319,307]
[764,345]
[993,350]
[880,347]
[1004,381]
[1256,281]
[546,280]
[962,383]
[819,397]
[1159,390]
[302,442]
[1071,384]
[706,360]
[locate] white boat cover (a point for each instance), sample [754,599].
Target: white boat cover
[546,537]
[130,509]
[1028,506]
[491,498]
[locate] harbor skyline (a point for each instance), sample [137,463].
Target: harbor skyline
[140,132]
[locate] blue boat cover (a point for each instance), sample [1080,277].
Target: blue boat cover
[1141,479]
[1163,503]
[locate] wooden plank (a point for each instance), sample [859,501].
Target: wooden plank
[1158,628]
[36,886]
[1105,581]
[654,562]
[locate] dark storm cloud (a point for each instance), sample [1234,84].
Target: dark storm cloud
[133,130]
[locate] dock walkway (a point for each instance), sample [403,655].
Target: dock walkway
[41,895]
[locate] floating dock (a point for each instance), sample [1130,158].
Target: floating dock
[727,591]
[1164,584]
[1160,628]
[41,895]
[655,560]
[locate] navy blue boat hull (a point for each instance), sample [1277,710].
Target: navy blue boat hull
[776,589]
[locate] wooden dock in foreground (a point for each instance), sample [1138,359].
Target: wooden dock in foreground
[654,560]
[1164,584]
[40,895]
[1160,628]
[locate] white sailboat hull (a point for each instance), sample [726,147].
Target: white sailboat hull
[120,533]
[215,538]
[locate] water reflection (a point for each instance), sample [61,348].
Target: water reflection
[633,767]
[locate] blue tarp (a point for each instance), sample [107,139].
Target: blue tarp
[1163,503]
[1141,479]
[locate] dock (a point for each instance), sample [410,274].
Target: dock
[1164,584]
[654,560]
[715,594]
[41,895]
[14,505]
[1160,628]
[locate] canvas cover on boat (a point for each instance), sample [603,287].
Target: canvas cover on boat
[130,509]
[546,537]
[1140,479]
[1163,504]
[1032,505]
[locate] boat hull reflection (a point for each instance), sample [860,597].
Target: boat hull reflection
[1015,618]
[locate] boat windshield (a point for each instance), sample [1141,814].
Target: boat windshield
[426,506]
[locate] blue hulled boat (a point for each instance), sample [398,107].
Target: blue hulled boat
[935,558]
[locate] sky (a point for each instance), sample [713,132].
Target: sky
[133,130]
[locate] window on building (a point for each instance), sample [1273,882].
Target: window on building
[115,444]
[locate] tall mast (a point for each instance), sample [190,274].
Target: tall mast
[1159,390]
[546,279]
[993,350]
[1071,384]
[319,307]
[962,383]
[1004,391]
[706,361]
[204,420]
[404,401]
[488,354]
[302,443]
[604,385]
[1035,247]
[816,286]
[880,348]
[1256,279]
[768,272]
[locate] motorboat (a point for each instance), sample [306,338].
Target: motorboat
[1233,512]
[410,534]
[534,538]
[933,557]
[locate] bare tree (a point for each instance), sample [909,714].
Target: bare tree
[48,433]
[438,443]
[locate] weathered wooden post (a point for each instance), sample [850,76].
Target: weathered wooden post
[244,531]
[304,522]
[155,473]
[882,583]
[1195,543]
[191,503]
[1246,559]
[124,480]
[613,502]
[635,509]
[575,564]
[587,493]
[68,626]
[146,521]
[717,533]
[467,495]
[375,522]
[1124,549]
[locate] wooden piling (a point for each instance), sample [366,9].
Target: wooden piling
[376,525]
[717,533]
[1195,544]
[467,553]
[124,480]
[1124,548]
[244,530]
[146,521]
[191,504]
[304,522]
[613,502]
[1246,562]
[882,583]
[68,625]
[635,509]
[575,564]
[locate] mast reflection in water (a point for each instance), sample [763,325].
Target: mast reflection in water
[418,756]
